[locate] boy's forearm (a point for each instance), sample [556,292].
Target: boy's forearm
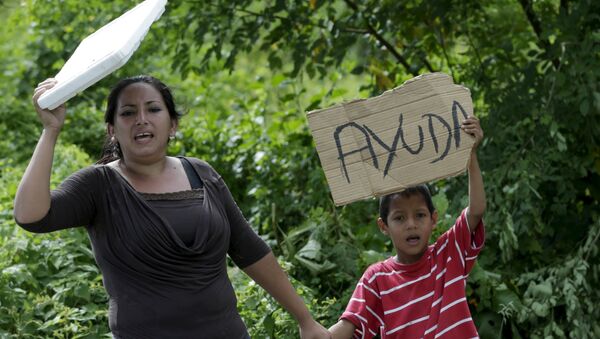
[477,202]
[343,329]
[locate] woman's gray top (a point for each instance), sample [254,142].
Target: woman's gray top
[163,260]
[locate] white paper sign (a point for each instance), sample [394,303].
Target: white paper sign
[103,52]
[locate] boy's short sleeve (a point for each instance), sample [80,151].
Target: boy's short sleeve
[364,307]
[467,244]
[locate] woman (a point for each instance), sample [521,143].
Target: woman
[160,226]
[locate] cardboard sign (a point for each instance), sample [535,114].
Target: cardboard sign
[407,136]
[102,52]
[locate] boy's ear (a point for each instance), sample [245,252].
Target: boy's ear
[434,218]
[382,226]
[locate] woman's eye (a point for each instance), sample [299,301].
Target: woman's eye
[155,109]
[126,113]
[421,215]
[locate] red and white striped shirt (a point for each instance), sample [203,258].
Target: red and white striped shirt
[421,300]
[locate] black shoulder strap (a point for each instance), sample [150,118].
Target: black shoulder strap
[192,176]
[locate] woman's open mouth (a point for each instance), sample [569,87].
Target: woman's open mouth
[143,136]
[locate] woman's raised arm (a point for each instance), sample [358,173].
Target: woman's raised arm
[32,200]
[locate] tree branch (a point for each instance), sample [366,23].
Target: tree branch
[442,42]
[370,30]
[428,65]
[588,252]
[537,27]
[564,6]
[355,30]
[476,51]
[286,19]
[384,42]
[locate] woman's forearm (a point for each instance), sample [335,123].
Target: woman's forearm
[32,200]
[269,275]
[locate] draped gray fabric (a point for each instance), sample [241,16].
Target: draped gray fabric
[159,287]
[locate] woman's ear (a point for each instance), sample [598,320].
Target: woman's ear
[174,125]
[110,130]
[434,218]
[382,226]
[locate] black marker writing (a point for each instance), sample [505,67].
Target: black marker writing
[434,139]
[399,136]
[404,142]
[342,155]
[455,105]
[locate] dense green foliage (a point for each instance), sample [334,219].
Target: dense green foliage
[247,71]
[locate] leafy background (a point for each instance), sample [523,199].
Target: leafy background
[246,72]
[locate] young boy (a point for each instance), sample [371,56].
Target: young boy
[420,292]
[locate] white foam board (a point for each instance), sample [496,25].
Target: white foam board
[103,52]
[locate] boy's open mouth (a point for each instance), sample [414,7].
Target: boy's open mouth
[413,239]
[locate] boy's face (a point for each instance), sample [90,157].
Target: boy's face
[409,225]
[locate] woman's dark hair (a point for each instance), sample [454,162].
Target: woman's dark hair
[386,200]
[111,150]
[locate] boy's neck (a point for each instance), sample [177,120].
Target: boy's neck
[411,261]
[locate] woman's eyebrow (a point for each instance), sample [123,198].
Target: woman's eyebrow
[147,103]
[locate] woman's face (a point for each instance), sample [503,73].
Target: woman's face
[142,124]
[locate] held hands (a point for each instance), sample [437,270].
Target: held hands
[51,119]
[471,126]
[313,330]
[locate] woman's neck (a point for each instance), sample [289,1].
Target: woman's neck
[140,170]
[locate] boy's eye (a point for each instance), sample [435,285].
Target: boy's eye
[126,113]
[400,218]
[155,109]
[421,215]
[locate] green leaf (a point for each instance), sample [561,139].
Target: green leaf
[541,310]
[82,291]
[311,250]
[584,107]
[268,324]
[541,290]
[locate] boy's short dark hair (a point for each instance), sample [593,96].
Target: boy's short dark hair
[423,190]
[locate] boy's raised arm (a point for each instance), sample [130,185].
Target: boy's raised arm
[476,191]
